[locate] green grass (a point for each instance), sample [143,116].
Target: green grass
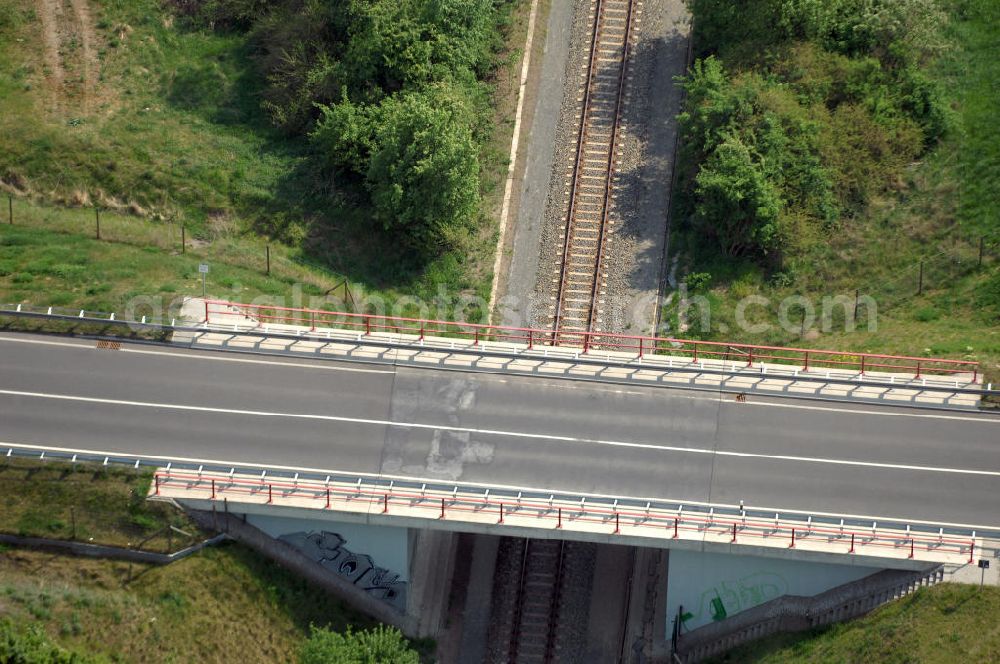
[51,257]
[222,604]
[935,214]
[945,623]
[87,502]
[174,133]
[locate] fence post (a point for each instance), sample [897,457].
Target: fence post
[530,340]
[97,220]
[385,503]
[676,523]
[328,498]
[559,522]
[183,239]
[442,508]
[862,365]
[267,256]
[792,545]
[368,325]
[750,358]
[270,494]
[501,513]
[213,488]
[156,480]
[852,543]
[617,524]
[734,532]
[911,547]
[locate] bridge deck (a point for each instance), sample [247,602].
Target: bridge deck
[531,432]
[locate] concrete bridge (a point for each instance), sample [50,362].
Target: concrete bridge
[307,431]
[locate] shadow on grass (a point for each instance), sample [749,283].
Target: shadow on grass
[328,217]
[68,328]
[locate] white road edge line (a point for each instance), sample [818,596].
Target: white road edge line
[832,408]
[499,432]
[203,356]
[506,487]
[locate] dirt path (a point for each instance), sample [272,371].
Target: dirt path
[50,13]
[89,65]
[71,66]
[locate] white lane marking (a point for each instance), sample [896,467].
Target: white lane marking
[880,413]
[480,485]
[203,356]
[500,432]
[984,419]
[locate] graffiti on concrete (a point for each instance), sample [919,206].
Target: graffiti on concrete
[329,551]
[732,596]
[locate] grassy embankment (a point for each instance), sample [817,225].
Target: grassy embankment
[87,502]
[945,623]
[220,604]
[933,210]
[159,122]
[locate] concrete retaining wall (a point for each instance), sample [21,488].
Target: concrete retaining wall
[298,563]
[794,613]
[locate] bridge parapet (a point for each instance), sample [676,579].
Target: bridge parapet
[556,516]
[738,369]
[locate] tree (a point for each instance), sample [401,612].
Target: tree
[423,175]
[736,203]
[382,645]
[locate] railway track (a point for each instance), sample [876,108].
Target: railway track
[581,280]
[535,619]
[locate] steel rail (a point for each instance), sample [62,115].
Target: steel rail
[581,133]
[602,230]
[572,224]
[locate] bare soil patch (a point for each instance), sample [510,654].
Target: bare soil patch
[70,54]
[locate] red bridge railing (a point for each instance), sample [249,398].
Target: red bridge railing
[694,350]
[420,504]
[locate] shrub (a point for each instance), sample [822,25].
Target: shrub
[32,646]
[820,108]
[417,157]
[382,645]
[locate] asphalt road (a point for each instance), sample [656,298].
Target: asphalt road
[536,433]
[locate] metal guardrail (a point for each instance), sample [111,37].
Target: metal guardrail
[479,347]
[641,345]
[691,512]
[566,513]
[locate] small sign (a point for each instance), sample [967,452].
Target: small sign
[203,268]
[984,564]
